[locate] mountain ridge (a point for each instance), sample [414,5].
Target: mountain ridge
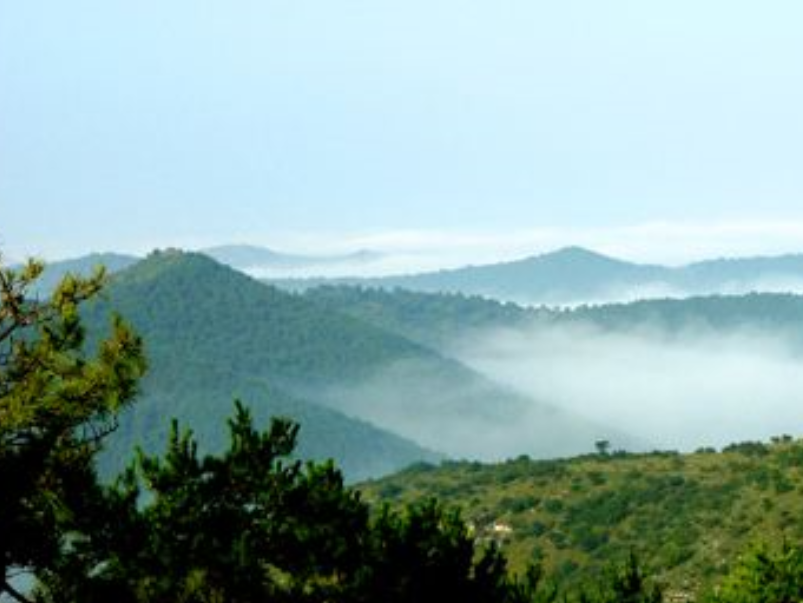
[576,275]
[200,316]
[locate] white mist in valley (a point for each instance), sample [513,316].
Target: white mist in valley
[679,390]
[459,413]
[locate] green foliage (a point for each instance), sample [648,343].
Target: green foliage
[58,400]
[214,334]
[685,516]
[623,583]
[430,319]
[252,524]
[764,575]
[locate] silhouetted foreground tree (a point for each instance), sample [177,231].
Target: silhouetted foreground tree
[254,525]
[57,401]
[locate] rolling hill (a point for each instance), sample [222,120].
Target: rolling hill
[678,373]
[686,516]
[84,265]
[213,333]
[438,319]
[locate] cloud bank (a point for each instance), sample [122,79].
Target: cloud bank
[678,390]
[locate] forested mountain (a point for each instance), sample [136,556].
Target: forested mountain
[438,319]
[688,517]
[574,275]
[84,265]
[432,319]
[781,312]
[212,333]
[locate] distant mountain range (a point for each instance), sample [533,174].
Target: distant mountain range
[567,277]
[262,261]
[255,260]
[574,275]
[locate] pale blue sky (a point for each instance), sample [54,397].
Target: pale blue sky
[125,124]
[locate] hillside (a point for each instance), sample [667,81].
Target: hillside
[686,516]
[438,319]
[573,276]
[213,333]
[432,319]
[679,374]
[779,312]
[84,265]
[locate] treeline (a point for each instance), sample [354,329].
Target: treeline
[248,524]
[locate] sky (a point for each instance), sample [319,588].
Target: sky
[657,130]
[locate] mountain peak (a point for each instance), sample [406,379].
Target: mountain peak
[165,263]
[575,252]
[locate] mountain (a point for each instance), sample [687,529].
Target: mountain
[686,516]
[435,320]
[213,333]
[438,320]
[260,260]
[680,373]
[84,265]
[780,313]
[573,276]
[565,276]
[781,273]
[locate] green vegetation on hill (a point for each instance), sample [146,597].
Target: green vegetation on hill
[779,312]
[84,266]
[439,319]
[215,333]
[688,517]
[431,319]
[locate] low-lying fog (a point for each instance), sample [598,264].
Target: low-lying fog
[676,391]
[656,290]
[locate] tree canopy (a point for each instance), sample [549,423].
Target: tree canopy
[57,401]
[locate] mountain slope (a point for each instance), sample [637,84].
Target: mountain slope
[432,319]
[775,312]
[201,319]
[83,266]
[211,335]
[679,373]
[685,516]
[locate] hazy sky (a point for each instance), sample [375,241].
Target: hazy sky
[128,124]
